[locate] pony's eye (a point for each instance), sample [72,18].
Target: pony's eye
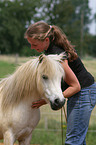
[45,77]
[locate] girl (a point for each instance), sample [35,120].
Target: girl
[78,86]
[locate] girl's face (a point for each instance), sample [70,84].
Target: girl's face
[38,45]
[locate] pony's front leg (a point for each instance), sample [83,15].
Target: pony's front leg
[26,140]
[8,138]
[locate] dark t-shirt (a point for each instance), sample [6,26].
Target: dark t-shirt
[84,77]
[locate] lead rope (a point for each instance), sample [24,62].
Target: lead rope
[62,126]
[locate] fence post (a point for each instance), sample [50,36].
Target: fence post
[16,58]
[46,123]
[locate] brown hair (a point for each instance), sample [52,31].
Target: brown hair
[41,30]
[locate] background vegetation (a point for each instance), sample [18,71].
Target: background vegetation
[73,16]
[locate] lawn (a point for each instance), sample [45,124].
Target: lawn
[48,131]
[6,68]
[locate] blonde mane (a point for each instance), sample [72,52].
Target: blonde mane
[22,83]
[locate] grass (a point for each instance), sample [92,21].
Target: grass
[91,66]
[46,138]
[53,136]
[6,68]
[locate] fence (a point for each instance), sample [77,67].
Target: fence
[51,122]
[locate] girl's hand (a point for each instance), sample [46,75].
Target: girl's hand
[38,103]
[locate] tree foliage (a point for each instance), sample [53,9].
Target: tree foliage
[14,17]
[73,16]
[67,15]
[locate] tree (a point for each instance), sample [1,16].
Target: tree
[73,16]
[90,45]
[67,15]
[14,17]
[95,22]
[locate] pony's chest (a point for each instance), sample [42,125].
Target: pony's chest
[26,115]
[21,118]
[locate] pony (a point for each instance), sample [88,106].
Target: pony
[38,78]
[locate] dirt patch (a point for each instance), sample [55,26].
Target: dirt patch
[17,144]
[3,144]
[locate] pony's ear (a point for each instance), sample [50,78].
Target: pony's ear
[41,58]
[63,56]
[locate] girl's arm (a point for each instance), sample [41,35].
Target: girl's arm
[71,80]
[38,103]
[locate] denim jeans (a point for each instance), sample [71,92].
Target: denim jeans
[79,108]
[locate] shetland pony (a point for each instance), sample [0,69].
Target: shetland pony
[38,78]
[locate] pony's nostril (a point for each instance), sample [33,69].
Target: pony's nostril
[56,101]
[57,104]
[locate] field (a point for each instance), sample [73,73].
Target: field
[48,131]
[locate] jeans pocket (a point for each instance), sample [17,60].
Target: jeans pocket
[92,97]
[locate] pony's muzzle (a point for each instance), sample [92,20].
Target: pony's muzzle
[57,104]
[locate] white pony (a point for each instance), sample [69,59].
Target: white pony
[38,78]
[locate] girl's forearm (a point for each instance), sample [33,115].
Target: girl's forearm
[70,91]
[38,103]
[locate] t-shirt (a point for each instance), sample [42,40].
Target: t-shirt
[84,77]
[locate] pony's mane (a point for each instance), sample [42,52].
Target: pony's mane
[22,82]
[50,63]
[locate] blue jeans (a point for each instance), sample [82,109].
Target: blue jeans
[79,108]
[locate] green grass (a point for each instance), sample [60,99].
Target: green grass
[6,68]
[91,66]
[45,137]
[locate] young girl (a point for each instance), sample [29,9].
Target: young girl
[78,86]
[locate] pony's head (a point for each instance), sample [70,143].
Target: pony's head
[39,77]
[49,76]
